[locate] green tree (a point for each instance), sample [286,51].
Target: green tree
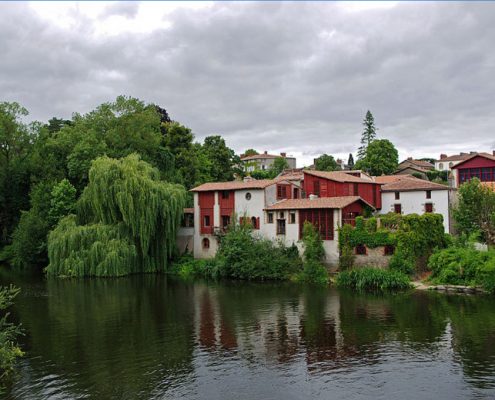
[63,201]
[279,164]
[250,152]
[381,158]
[326,162]
[350,161]
[221,158]
[475,211]
[16,141]
[127,219]
[368,135]
[314,253]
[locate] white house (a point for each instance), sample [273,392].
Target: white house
[445,162]
[265,161]
[406,194]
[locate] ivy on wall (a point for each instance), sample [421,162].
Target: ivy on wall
[413,236]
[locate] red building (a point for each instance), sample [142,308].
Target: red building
[479,165]
[338,184]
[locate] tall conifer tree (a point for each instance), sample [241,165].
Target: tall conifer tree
[369,134]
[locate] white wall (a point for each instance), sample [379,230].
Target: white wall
[413,202]
[441,165]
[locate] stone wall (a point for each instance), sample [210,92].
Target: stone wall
[373,258]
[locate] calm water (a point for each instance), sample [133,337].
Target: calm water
[153,337]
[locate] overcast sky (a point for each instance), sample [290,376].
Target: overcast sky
[293,77]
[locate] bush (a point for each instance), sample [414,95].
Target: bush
[242,255]
[373,279]
[9,349]
[187,267]
[313,269]
[464,266]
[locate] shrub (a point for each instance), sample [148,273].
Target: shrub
[373,279]
[313,269]
[9,349]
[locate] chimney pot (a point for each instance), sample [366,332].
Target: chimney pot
[409,158]
[472,152]
[283,154]
[442,156]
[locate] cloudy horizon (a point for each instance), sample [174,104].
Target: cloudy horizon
[283,77]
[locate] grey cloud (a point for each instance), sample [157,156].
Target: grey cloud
[284,76]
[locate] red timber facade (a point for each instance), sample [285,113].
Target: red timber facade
[206,202]
[339,184]
[226,201]
[481,166]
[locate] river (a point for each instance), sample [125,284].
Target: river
[156,337]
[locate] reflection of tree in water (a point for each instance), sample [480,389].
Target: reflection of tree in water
[473,335]
[99,336]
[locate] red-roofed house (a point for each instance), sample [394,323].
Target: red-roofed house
[405,194]
[477,165]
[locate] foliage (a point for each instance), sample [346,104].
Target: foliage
[130,219]
[250,152]
[279,164]
[63,201]
[475,211]
[221,159]
[381,158]
[373,279]
[326,162]
[413,236]
[463,265]
[313,269]
[350,161]
[243,255]
[368,135]
[437,176]
[9,349]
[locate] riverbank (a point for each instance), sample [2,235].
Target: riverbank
[420,285]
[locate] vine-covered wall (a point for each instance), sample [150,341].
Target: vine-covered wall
[413,237]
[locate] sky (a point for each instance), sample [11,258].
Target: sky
[295,77]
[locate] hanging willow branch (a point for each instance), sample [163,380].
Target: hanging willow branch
[128,221]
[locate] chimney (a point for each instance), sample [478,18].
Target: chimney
[283,154]
[442,156]
[265,152]
[493,152]
[472,152]
[463,154]
[409,158]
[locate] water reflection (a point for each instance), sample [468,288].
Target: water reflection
[153,337]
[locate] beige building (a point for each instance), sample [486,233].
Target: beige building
[265,161]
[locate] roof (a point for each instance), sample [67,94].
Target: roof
[471,156]
[414,168]
[261,156]
[391,178]
[319,202]
[419,163]
[235,185]
[456,157]
[338,176]
[490,185]
[410,183]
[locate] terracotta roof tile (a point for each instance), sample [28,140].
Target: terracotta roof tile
[419,163]
[462,157]
[263,156]
[411,184]
[234,185]
[391,178]
[320,202]
[338,176]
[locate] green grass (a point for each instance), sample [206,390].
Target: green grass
[373,279]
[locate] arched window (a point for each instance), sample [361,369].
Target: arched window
[440,166]
[451,164]
[206,243]
[253,222]
[248,196]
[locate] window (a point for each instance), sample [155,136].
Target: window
[248,196]
[440,166]
[397,195]
[270,218]
[280,226]
[428,208]
[388,250]
[322,219]
[225,194]
[361,250]
[451,164]
[428,194]
[296,193]
[206,243]
[281,192]
[206,220]
[398,208]
[281,215]
[188,221]
[255,223]
[225,221]
[316,187]
[292,218]
[486,175]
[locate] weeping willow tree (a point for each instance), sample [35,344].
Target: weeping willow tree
[126,222]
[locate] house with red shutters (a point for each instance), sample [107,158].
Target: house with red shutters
[477,165]
[278,208]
